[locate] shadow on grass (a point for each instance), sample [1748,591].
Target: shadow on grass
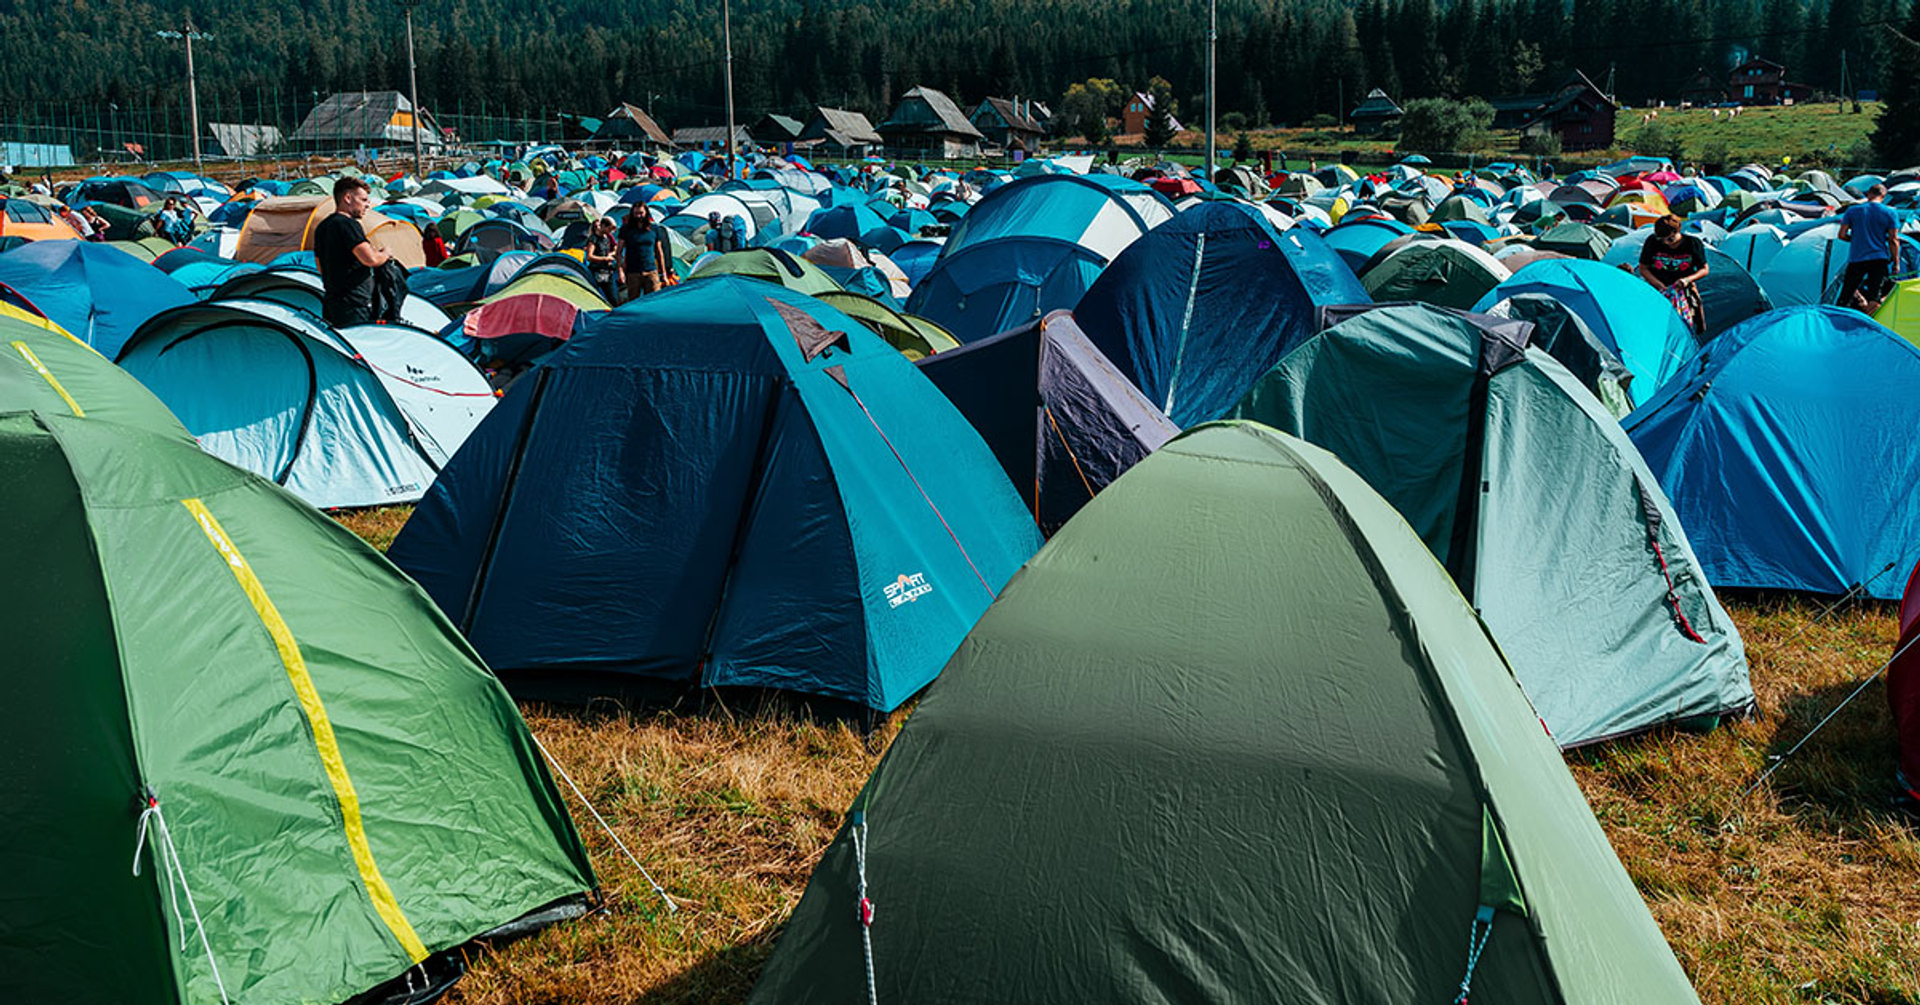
[724,976]
[1843,775]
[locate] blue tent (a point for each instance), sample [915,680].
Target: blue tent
[1808,268]
[1194,312]
[1003,284]
[98,293]
[916,258]
[1629,317]
[856,222]
[724,484]
[1100,212]
[1728,295]
[1789,452]
[912,221]
[359,417]
[1358,240]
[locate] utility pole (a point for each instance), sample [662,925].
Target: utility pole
[191,35]
[413,87]
[726,38]
[1213,35]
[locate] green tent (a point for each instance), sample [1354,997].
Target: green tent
[318,785]
[1431,270]
[51,371]
[1576,240]
[914,336]
[1532,496]
[1231,736]
[771,264]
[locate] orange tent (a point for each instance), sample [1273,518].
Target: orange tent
[33,221]
[285,223]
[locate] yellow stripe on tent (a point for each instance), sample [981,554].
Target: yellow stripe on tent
[41,368]
[329,747]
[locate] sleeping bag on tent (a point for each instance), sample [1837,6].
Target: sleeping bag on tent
[1060,419]
[1231,736]
[1530,494]
[318,788]
[723,484]
[1202,305]
[1787,448]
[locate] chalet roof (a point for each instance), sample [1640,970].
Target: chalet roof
[1759,61]
[1376,105]
[945,116]
[852,127]
[695,135]
[627,120]
[363,115]
[1010,114]
[788,128]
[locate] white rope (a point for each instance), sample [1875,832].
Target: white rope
[672,908]
[859,835]
[167,860]
[1782,759]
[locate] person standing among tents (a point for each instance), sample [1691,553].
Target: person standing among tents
[70,218]
[167,221]
[96,221]
[642,253]
[1873,251]
[346,258]
[1675,262]
[603,258]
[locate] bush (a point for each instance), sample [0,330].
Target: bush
[1714,155]
[1323,121]
[1438,125]
[1243,147]
[1545,144]
[1655,140]
[1233,122]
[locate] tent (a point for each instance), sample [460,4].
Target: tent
[1728,295]
[1358,239]
[1629,317]
[97,293]
[1438,271]
[1534,499]
[46,370]
[281,224]
[770,265]
[1062,421]
[364,416]
[734,485]
[301,288]
[1901,310]
[1787,449]
[1575,240]
[319,787]
[1004,283]
[1559,331]
[1194,312]
[916,338]
[1230,737]
[1101,213]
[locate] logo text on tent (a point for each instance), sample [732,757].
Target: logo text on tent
[907,589]
[220,541]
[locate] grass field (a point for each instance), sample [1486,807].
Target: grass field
[1807,891]
[1804,132]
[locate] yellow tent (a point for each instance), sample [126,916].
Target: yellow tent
[285,223]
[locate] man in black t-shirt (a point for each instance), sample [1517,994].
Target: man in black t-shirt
[1674,262]
[345,257]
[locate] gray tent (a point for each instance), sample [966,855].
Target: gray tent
[1060,418]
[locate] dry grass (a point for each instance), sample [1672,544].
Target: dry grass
[377,526]
[1806,891]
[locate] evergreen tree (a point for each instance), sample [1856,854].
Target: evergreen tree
[1896,134]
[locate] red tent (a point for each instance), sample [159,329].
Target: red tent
[1903,687]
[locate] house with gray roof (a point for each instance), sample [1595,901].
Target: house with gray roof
[927,123]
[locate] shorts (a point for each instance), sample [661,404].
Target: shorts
[1869,279]
[639,283]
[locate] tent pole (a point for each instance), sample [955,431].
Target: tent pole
[1213,35]
[726,37]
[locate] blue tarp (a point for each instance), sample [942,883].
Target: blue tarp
[98,293]
[1629,317]
[1194,312]
[1789,452]
[723,484]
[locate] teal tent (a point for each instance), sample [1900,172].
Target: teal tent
[1532,496]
